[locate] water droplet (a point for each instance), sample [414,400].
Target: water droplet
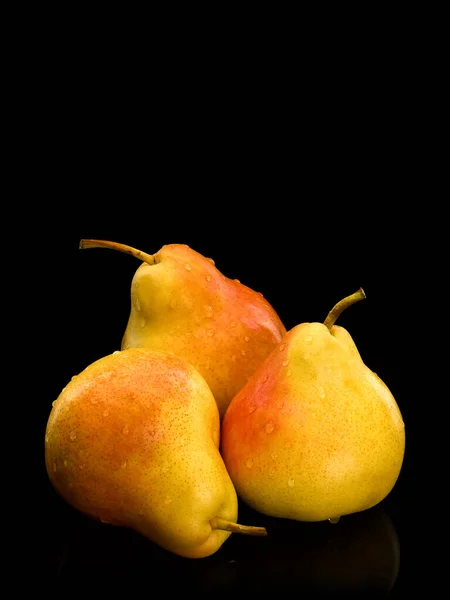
[208,277]
[143,321]
[54,467]
[243,352]
[261,294]
[47,439]
[291,482]
[285,362]
[53,403]
[334,520]
[249,463]
[251,408]
[187,266]
[73,436]
[126,430]
[272,472]
[211,261]
[93,400]
[66,464]
[138,304]
[246,339]
[308,338]
[124,464]
[264,379]
[282,347]
[167,501]
[237,281]
[173,304]
[116,352]
[307,355]
[321,392]
[74,377]
[233,324]
[81,467]
[274,455]
[106,413]
[288,373]
[208,311]
[211,332]
[269,428]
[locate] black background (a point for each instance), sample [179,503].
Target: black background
[304,184]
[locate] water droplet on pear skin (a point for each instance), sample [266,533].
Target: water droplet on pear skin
[321,392]
[285,362]
[249,463]
[251,408]
[124,464]
[167,501]
[211,261]
[143,321]
[274,455]
[334,520]
[246,339]
[116,352]
[53,403]
[237,281]
[308,338]
[269,428]
[282,347]
[264,379]
[47,439]
[73,436]
[126,430]
[208,277]
[288,373]
[291,482]
[208,311]
[106,413]
[138,304]
[243,352]
[73,377]
[187,266]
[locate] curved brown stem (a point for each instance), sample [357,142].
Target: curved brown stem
[148,258]
[342,305]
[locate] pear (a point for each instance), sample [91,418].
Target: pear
[133,441]
[182,303]
[314,434]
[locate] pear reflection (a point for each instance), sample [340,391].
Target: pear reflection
[361,553]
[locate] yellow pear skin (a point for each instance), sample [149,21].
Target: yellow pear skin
[133,441]
[180,302]
[314,434]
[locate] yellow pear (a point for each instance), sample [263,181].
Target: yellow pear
[314,434]
[133,441]
[182,303]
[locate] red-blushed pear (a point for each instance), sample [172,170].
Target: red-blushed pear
[133,441]
[314,434]
[182,303]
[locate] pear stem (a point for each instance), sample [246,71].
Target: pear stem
[341,306]
[148,258]
[218,523]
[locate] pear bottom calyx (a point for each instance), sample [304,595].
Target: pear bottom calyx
[218,523]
